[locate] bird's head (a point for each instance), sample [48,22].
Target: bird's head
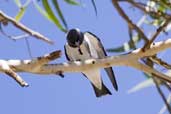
[75,37]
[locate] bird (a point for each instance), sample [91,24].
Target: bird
[81,46]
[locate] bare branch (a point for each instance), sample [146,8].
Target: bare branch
[152,71]
[130,23]
[158,31]
[160,62]
[9,68]
[40,66]
[162,95]
[5,19]
[16,77]
[141,7]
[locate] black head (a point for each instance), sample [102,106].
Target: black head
[75,37]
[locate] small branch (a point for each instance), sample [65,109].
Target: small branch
[168,86]
[130,23]
[162,95]
[8,67]
[36,64]
[142,6]
[16,77]
[152,71]
[12,37]
[158,31]
[163,109]
[160,62]
[7,70]
[5,19]
[47,58]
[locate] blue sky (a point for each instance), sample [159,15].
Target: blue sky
[50,94]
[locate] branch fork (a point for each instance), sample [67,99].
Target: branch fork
[40,65]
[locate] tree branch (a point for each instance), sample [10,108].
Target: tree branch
[5,19]
[158,31]
[162,95]
[126,18]
[143,8]
[40,66]
[10,67]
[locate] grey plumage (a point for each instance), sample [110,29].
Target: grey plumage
[101,54]
[82,46]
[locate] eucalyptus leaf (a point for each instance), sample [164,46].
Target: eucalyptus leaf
[22,9]
[94,5]
[18,3]
[44,13]
[72,2]
[52,15]
[147,83]
[20,14]
[55,3]
[126,46]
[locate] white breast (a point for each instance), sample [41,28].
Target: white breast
[74,53]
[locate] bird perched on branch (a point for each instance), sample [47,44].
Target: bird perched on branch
[81,46]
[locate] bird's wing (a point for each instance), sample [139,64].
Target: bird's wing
[67,53]
[96,43]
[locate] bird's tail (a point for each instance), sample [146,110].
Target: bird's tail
[101,92]
[112,77]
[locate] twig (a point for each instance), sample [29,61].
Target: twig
[34,65]
[167,86]
[5,19]
[12,37]
[130,32]
[28,47]
[16,77]
[160,62]
[158,31]
[159,14]
[147,69]
[157,83]
[7,70]
[142,8]
[163,109]
[162,95]
[130,23]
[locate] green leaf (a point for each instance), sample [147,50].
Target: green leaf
[44,13]
[20,14]
[72,2]
[126,46]
[94,5]
[157,22]
[52,15]
[161,8]
[22,9]
[147,83]
[18,3]
[55,2]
